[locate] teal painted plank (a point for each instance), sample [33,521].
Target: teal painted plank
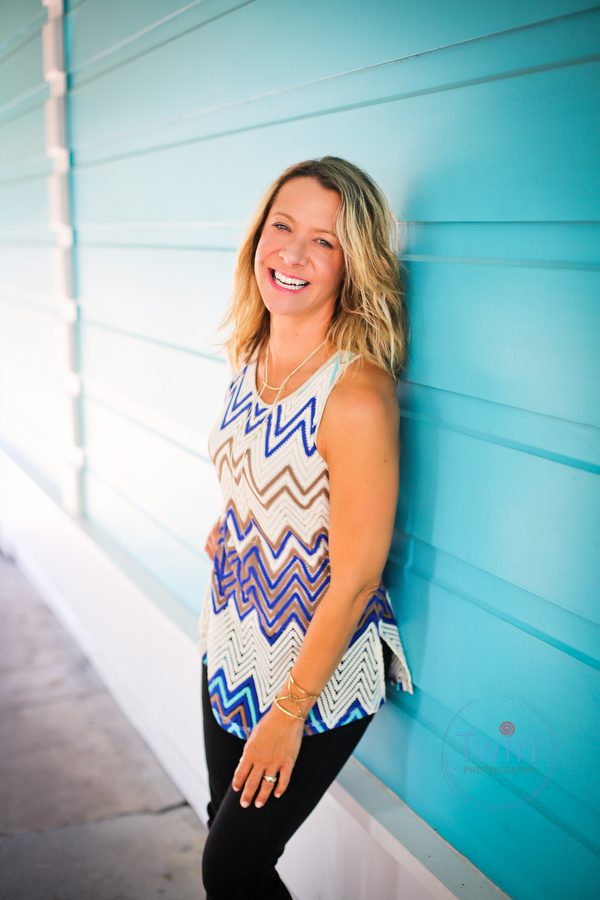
[161,518]
[26,273]
[474,329]
[21,76]
[18,21]
[34,334]
[519,517]
[559,245]
[177,567]
[126,289]
[102,36]
[24,207]
[524,430]
[22,146]
[230,91]
[174,394]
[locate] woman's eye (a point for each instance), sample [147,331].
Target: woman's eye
[322,241]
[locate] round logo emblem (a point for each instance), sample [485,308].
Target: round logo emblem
[504,738]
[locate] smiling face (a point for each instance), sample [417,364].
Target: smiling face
[299,264]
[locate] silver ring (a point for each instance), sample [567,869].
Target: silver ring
[270,778]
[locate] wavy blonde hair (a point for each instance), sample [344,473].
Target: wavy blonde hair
[370,317]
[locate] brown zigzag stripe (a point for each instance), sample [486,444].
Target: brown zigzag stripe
[313,561]
[287,471]
[254,573]
[240,710]
[224,456]
[305,541]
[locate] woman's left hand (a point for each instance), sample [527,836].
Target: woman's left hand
[271,749]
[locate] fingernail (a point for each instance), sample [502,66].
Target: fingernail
[258,803]
[244,802]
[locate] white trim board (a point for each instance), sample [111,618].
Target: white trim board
[368,843]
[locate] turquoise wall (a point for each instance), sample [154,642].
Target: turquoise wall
[480,122]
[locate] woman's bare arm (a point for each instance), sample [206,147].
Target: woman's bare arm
[359,440]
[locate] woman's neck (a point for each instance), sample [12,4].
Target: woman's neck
[288,346]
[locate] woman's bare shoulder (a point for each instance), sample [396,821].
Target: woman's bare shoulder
[363,397]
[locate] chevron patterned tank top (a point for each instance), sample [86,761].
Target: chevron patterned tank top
[271,567]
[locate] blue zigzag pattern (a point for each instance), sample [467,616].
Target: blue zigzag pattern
[242,704]
[230,701]
[277,432]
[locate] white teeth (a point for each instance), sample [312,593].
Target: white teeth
[288,282]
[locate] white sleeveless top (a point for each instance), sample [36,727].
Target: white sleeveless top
[271,567]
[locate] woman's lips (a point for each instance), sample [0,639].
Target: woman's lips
[287,290]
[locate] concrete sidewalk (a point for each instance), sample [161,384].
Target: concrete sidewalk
[86,810]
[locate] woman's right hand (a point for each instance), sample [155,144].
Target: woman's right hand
[211,542]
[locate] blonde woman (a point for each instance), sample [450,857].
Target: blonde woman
[297,634]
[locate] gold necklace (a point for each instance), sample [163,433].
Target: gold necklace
[279,389]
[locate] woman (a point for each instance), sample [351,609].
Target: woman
[306,452]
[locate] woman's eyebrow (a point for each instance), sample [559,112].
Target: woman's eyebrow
[280,212]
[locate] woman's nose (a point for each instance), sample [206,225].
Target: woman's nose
[293,253]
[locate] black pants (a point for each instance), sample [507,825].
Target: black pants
[243,844]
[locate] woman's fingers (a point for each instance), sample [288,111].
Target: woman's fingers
[266,788]
[285,773]
[244,781]
[253,782]
[244,767]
